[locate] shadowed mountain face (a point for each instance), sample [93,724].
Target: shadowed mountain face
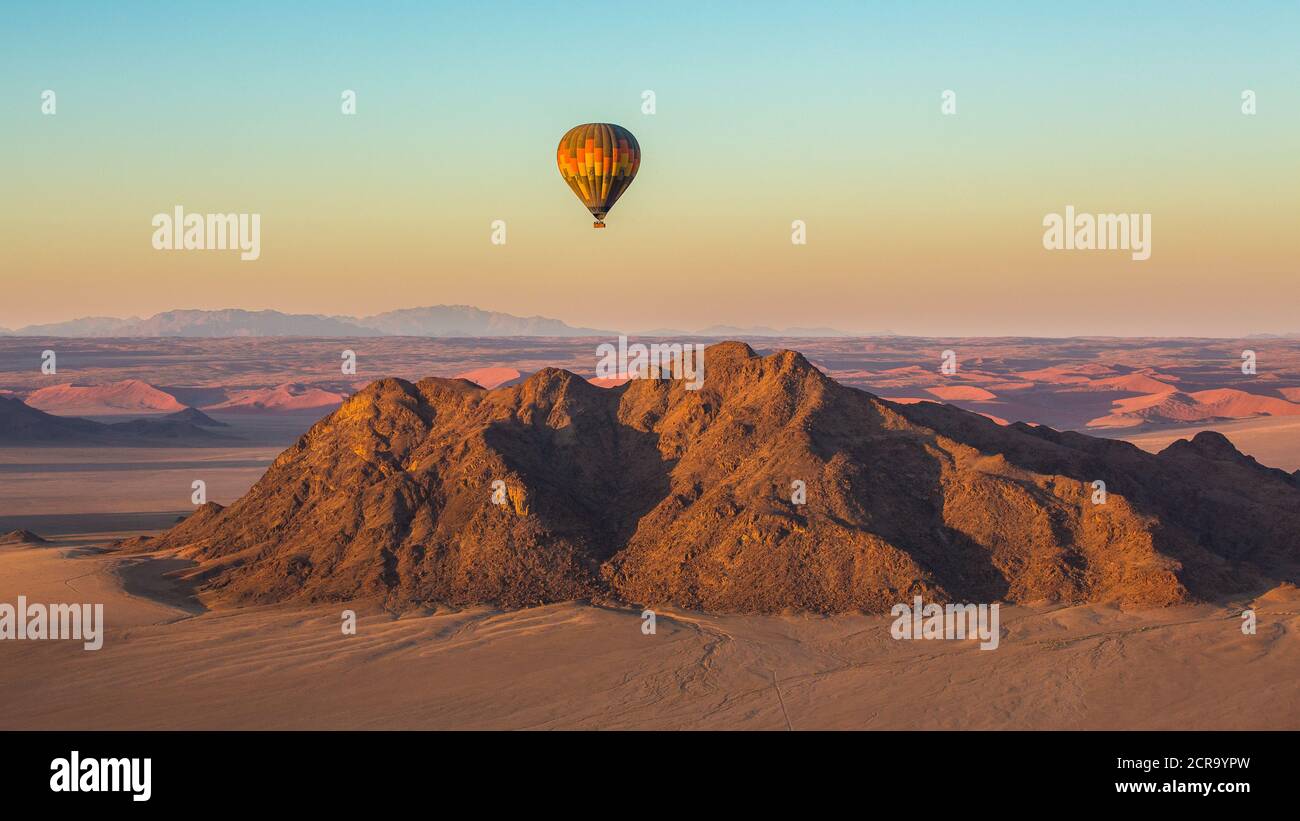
[649,493]
[196,417]
[16,537]
[21,424]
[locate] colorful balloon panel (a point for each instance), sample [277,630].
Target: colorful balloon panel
[598,161]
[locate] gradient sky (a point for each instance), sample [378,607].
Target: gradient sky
[767,112]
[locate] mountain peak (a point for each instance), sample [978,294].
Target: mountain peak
[1214,446]
[22,537]
[771,488]
[732,349]
[194,416]
[1207,444]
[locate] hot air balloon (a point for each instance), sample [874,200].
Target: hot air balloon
[598,161]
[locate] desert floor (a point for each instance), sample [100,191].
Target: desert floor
[169,663]
[81,490]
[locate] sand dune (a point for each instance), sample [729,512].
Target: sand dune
[286,397]
[969,393]
[1135,382]
[1064,374]
[1199,406]
[130,396]
[608,381]
[492,377]
[1100,378]
[1010,386]
[1235,404]
[910,400]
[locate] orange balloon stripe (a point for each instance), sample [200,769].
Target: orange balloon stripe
[598,162]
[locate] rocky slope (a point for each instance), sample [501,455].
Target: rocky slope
[22,537]
[649,493]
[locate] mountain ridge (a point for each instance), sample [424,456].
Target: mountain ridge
[649,493]
[433,320]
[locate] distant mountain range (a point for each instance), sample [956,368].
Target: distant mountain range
[434,320]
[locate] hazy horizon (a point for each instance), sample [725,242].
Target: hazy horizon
[668,325]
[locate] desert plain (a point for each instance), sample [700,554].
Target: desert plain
[169,663]
[175,658]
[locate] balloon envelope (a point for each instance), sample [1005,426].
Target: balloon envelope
[598,161]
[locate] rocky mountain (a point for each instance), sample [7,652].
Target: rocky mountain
[649,493]
[22,537]
[83,326]
[235,322]
[20,423]
[196,417]
[435,320]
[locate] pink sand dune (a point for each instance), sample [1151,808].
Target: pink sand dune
[1198,406]
[492,377]
[967,392]
[128,396]
[282,398]
[1010,386]
[1064,374]
[1135,382]
[607,381]
[1235,404]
